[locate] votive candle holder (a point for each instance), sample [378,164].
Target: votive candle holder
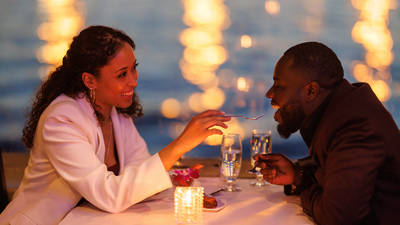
[188,204]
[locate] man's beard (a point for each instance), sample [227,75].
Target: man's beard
[292,116]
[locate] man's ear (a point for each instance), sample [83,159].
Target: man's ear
[311,91]
[89,80]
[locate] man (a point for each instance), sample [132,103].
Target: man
[352,174]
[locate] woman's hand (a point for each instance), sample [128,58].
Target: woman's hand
[198,129]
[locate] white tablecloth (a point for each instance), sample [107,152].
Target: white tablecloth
[268,205]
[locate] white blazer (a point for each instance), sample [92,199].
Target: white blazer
[67,163]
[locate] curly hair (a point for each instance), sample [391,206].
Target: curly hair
[90,50]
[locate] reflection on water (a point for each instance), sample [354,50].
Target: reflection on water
[372,32]
[225,55]
[204,51]
[62,19]
[203,54]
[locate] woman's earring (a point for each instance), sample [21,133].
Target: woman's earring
[92,96]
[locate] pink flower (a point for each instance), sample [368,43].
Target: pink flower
[185,177]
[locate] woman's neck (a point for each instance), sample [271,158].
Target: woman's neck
[105,115]
[104,111]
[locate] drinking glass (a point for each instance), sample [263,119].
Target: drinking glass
[260,143]
[231,160]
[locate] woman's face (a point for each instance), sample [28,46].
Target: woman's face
[117,80]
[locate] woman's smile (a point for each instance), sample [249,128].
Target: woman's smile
[127,94]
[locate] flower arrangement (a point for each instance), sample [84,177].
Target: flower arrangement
[185,177]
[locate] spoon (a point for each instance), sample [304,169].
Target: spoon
[247,118]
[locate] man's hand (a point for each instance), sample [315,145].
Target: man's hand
[276,168]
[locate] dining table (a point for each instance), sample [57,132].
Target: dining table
[251,205]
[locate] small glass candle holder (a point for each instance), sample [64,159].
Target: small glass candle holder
[189,204]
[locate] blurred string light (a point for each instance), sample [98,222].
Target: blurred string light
[372,32]
[272,7]
[63,19]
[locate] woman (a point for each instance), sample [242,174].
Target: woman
[83,141]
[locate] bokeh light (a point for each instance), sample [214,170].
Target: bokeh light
[63,20]
[246,41]
[170,108]
[205,13]
[381,89]
[213,98]
[199,37]
[362,72]
[373,33]
[242,84]
[233,127]
[272,7]
[195,102]
[204,53]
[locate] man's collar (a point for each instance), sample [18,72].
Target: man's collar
[311,122]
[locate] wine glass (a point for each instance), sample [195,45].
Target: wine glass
[260,143]
[231,159]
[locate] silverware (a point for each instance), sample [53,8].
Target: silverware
[247,118]
[216,192]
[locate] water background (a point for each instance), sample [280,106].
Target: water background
[155,26]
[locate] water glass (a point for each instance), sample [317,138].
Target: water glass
[231,160]
[260,143]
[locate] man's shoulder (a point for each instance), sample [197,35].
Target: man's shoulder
[355,107]
[354,94]
[355,100]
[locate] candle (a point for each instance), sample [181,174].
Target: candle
[188,204]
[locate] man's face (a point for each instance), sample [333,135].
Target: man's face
[285,95]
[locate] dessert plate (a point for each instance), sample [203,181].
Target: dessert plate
[221,203]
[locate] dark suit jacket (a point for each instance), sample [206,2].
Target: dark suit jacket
[357,144]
